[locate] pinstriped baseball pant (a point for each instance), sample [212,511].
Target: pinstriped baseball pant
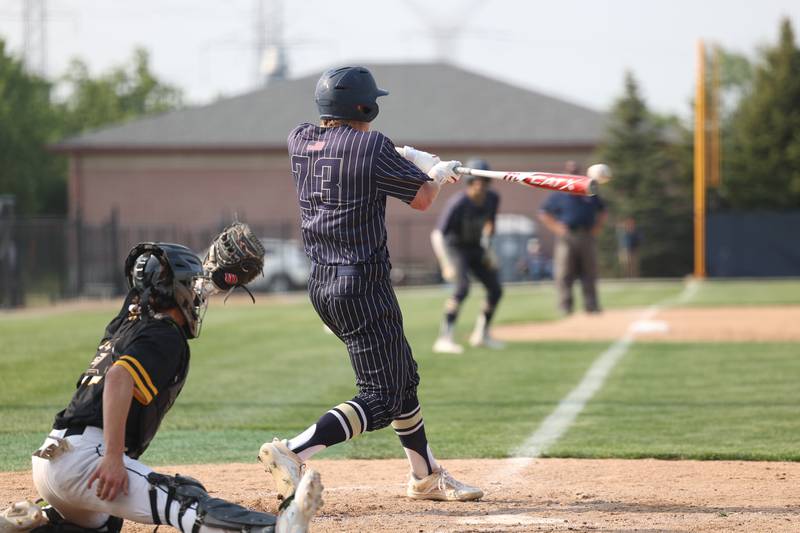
[357,302]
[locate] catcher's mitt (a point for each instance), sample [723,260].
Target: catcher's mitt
[235,258]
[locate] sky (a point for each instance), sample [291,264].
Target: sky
[578,50]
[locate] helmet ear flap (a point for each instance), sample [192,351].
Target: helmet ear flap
[369,112]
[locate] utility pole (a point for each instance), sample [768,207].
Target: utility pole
[34,36]
[271,63]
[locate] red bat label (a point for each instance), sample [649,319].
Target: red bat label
[555,182]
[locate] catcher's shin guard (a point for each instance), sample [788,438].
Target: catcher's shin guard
[211,512]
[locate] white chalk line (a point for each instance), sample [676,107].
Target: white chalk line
[561,419]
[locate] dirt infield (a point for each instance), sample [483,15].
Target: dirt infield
[729,324]
[544,495]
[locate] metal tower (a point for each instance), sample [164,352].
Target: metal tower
[444,31]
[270,49]
[34,35]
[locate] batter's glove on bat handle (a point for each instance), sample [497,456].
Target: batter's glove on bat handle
[423,160]
[234,259]
[445,172]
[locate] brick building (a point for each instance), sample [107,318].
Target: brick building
[196,167]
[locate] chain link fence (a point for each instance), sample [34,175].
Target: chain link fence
[43,260]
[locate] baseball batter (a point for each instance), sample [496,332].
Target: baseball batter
[462,243]
[87,468]
[344,174]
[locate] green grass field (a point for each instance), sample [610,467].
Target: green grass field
[270,370]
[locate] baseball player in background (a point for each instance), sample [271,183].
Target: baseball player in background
[576,222]
[344,174]
[462,243]
[87,469]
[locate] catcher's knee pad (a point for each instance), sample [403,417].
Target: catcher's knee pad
[211,512]
[57,524]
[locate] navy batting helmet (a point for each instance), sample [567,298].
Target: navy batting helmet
[348,93]
[478,164]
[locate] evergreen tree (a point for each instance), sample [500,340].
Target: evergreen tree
[651,184]
[762,158]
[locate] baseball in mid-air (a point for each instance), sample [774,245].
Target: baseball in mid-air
[600,172]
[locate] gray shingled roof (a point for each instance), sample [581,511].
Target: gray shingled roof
[429,104]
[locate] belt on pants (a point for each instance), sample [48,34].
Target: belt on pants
[74,430]
[60,444]
[59,438]
[368,271]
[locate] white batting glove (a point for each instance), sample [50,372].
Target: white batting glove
[423,160]
[445,172]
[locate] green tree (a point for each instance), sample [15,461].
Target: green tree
[123,93]
[736,80]
[762,157]
[28,123]
[650,184]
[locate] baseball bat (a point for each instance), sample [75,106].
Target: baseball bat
[569,183]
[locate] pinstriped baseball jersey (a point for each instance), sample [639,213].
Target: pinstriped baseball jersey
[343,177]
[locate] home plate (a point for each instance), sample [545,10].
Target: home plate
[650,326]
[509,520]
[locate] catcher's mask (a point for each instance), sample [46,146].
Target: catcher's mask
[169,275]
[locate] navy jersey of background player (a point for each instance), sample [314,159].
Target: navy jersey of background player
[343,177]
[462,220]
[576,212]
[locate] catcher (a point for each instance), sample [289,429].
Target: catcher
[87,468]
[462,244]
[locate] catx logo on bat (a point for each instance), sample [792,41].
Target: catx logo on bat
[561,184]
[551,182]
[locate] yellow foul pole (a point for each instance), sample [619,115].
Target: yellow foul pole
[700,166]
